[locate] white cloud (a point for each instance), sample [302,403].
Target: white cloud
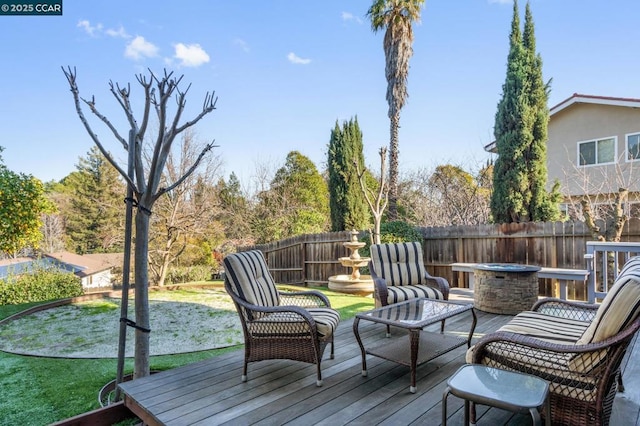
[138,48]
[242,44]
[191,55]
[348,16]
[295,59]
[98,29]
[120,32]
[501,1]
[88,28]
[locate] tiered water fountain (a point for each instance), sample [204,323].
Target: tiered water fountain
[354,283]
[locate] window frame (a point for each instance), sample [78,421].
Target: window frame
[626,147]
[595,142]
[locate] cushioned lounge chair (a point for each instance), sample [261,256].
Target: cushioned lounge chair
[277,325]
[577,347]
[398,274]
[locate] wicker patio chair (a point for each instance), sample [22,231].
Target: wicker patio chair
[398,274]
[577,347]
[277,325]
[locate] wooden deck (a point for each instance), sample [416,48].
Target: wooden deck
[280,392]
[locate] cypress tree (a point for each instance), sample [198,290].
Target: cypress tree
[512,131]
[543,205]
[520,173]
[346,201]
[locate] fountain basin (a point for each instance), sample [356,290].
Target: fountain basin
[362,286]
[354,263]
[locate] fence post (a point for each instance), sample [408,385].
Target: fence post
[303,259]
[591,286]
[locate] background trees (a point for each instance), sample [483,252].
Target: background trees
[22,203]
[234,209]
[396,17]
[296,203]
[520,130]
[448,195]
[346,200]
[93,205]
[183,225]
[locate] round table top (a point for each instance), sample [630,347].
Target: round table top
[506,267]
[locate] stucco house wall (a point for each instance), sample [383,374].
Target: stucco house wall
[582,122]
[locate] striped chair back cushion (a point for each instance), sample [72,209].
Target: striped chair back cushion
[620,307]
[250,279]
[399,263]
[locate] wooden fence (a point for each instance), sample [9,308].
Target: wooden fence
[312,259]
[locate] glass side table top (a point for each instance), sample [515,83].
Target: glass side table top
[415,312]
[513,388]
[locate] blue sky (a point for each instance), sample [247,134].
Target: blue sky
[285,70]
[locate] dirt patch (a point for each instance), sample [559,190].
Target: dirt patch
[181,321]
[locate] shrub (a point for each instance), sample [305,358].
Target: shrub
[398,232]
[392,232]
[184,274]
[39,286]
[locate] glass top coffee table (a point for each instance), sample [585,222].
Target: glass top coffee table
[423,346]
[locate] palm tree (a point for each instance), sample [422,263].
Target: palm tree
[396,16]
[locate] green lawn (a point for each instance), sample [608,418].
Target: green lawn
[40,391]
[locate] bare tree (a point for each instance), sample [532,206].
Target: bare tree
[185,213]
[448,196]
[599,196]
[53,232]
[377,201]
[144,184]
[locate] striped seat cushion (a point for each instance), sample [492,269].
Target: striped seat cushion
[620,306]
[401,293]
[399,264]
[619,309]
[282,324]
[250,279]
[563,331]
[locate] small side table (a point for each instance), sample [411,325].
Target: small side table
[508,390]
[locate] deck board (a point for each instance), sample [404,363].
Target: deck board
[210,392]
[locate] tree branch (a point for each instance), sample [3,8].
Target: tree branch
[92,106]
[206,149]
[209,104]
[148,95]
[71,78]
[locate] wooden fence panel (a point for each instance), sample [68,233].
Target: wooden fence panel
[312,259]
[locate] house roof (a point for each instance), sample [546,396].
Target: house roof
[14,261]
[578,98]
[83,265]
[114,260]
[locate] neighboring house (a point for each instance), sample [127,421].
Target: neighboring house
[593,148]
[94,271]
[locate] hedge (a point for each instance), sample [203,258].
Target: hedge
[39,286]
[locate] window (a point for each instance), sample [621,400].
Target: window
[599,151]
[633,147]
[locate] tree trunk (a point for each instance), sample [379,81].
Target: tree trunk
[376,232]
[142,353]
[393,167]
[164,263]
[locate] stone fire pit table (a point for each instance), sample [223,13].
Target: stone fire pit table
[505,288]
